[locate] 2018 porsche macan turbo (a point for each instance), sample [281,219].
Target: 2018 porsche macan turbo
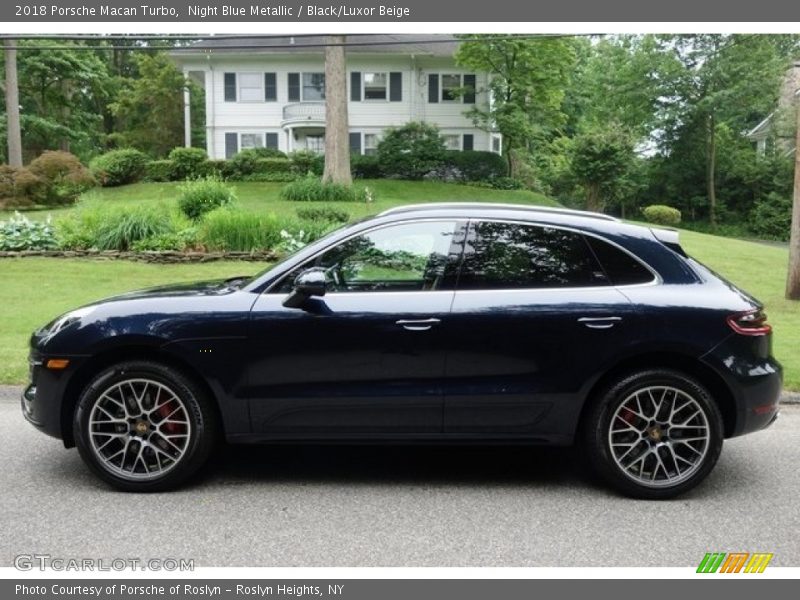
[480,323]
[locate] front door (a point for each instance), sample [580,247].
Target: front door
[369,356]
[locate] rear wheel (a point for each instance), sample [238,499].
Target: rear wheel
[144,427]
[654,434]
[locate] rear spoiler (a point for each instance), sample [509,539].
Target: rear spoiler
[669,237]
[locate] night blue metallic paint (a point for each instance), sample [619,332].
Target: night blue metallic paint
[512,365]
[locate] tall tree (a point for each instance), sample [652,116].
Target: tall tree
[337,140]
[793,277]
[527,85]
[13,130]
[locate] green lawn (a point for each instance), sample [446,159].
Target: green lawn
[35,290]
[264,196]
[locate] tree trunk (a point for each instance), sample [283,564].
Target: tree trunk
[12,107]
[593,202]
[793,277]
[711,171]
[337,138]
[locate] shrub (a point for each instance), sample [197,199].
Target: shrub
[218,168]
[242,164]
[305,161]
[180,240]
[506,183]
[204,195]
[63,176]
[267,152]
[273,165]
[474,165]
[271,177]
[365,166]
[411,151]
[311,189]
[119,167]
[159,170]
[235,230]
[20,233]
[661,214]
[189,163]
[771,217]
[323,213]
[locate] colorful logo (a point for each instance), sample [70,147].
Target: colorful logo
[734,562]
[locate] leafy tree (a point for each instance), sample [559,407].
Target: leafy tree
[149,109]
[527,85]
[599,159]
[411,151]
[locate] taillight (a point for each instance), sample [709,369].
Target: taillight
[751,322]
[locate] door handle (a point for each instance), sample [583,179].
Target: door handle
[417,324]
[599,322]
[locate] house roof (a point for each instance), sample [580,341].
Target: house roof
[422,44]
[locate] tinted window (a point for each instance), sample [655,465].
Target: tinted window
[407,257]
[621,267]
[511,255]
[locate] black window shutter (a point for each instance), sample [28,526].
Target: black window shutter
[294,87]
[231,144]
[230,87]
[355,142]
[395,87]
[355,86]
[270,87]
[272,140]
[433,87]
[469,93]
[468,142]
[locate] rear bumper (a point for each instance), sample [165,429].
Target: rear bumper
[755,381]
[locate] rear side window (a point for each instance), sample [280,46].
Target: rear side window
[520,256]
[621,267]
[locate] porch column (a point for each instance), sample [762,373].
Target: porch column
[187,113]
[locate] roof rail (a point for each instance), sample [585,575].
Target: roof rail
[497,206]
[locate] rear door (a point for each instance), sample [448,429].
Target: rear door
[534,316]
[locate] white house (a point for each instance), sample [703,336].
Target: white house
[778,126]
[270,91]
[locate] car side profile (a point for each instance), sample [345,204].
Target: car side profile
[457,322]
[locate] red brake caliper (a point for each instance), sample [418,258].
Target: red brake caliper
[163,412]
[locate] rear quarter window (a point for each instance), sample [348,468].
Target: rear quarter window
[620,267]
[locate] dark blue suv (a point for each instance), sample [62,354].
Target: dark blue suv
[431,323]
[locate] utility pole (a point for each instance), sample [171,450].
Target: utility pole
[12,106]
[793,277]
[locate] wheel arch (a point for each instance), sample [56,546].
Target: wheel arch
[690,365]
[100,361]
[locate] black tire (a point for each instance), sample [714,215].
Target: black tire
[202,429]
[596,436]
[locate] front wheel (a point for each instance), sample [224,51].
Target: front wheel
[654,434]
[143,426]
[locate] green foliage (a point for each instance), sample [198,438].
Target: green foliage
[311,189]
[323,213]
[662,215]
[189,163]
[365,166]
[771,217]
[119,167]
[160,170]
[411,151]
[506,183]
[474,165]
[271,176]
[20,233]
[251,164]
[264,152]
[235,230]
[172,241]
[598,159]
[305,161]
[63,177]
[200,196]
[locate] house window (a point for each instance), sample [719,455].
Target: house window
[313,86]
[270,87]
[371,143]
[451,84]
[251,87]
[452,141]
[230,87]
[315,143]
[497,144]
[375,85]
[251,140]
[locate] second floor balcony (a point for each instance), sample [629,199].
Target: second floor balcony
[304,113]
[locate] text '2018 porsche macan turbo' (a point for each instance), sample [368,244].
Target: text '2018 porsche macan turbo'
[434,323]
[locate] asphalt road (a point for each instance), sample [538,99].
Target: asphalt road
[401,506]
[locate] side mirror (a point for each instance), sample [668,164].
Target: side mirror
[309,283]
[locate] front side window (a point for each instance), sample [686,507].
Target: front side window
[375,85]
[251,87]
[521,256]
[313,87]
[409,257]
